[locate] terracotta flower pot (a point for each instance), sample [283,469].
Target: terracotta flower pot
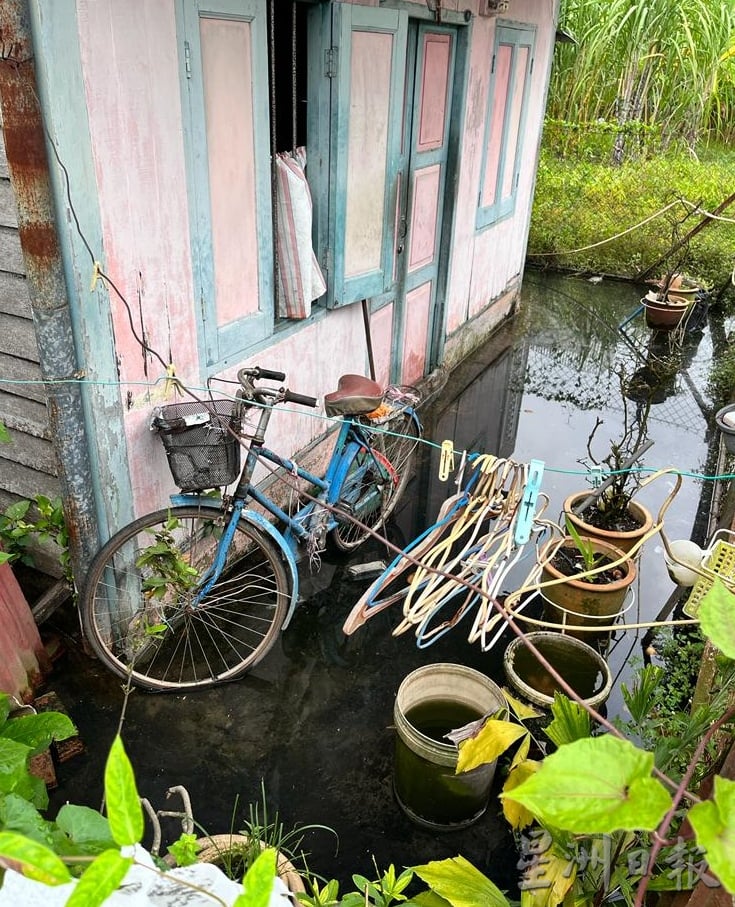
[573,603]
[666,312]
[221,850]
[622,540]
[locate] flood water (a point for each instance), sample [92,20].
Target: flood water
[312,723]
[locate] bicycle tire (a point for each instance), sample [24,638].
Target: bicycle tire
[398,440]
[363,499]
[153,632]
[394,444]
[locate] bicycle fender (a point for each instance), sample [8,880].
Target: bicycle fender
[260,522]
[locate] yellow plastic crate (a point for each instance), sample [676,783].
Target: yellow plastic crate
[719,562]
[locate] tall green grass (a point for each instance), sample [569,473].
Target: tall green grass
[667,65]
[581,202]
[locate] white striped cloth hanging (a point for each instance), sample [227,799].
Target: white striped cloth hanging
[300,279]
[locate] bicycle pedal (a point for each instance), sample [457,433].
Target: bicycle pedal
[370,570]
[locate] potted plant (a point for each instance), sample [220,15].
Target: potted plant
[234,852]
[670,302]
[584,582]
[610,513]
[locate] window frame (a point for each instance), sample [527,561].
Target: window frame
[517,37]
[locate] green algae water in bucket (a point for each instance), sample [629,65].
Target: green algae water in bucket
[431,701]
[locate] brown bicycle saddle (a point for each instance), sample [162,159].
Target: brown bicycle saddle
[355,396]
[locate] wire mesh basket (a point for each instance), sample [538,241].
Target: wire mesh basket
[720,561]
[202,452]
[396,399]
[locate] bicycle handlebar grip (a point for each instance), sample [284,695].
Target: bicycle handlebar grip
[267,373]
[290,397]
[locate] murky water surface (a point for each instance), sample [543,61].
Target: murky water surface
[313,721]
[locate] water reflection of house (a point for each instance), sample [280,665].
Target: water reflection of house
[421,123]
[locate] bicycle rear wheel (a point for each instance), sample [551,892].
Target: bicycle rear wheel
[375,481]
[398,440]
[363,499]
[140,610]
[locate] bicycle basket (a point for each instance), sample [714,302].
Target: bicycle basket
[201,452]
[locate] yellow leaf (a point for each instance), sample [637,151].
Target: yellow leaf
[491,741]
[521,709]
[546,879]
[522,752]
[518,816]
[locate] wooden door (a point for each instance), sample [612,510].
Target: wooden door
[420,217]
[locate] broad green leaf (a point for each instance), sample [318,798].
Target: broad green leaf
[100,879]
[461,884]
[717,617]
[517,814]
[37,731]
[521,709]
[33,789]
[493,739]
[18,510]
[4,434]
[87,831]
[18,815]
[13,764]
[258,881]
[597,785]
[36,861]
[5,557]
[124,812]
[714,824]
[427,899]
[571,722]
[4,709]
[548,881]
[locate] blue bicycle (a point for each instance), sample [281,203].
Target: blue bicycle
[197,593]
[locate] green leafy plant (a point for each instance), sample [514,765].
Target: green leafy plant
[598,818]
[584,545]
[28,524]
[167,565]
[44,862]
[235,853]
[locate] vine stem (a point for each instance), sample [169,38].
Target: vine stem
[659,839]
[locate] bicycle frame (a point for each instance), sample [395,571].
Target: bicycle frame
[316,516]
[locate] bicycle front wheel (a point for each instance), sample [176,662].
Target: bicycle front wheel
[146,619]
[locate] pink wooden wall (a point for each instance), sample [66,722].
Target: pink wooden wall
[484,264]
[131,76]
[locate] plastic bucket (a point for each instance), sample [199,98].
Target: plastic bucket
[431,701]
[581,666]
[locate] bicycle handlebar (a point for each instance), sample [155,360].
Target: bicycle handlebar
[246,376]
[259,372]
[291,397]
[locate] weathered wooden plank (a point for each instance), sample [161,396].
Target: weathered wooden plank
[20,480]
[8,208]
[11,257]
[18,337]
[12,368]
[14,298]
[29,450]
[23,415]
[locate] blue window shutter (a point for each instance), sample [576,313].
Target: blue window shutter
[504,173]
[224,339]
[345,286]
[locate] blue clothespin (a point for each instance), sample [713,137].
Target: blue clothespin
[527,507]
